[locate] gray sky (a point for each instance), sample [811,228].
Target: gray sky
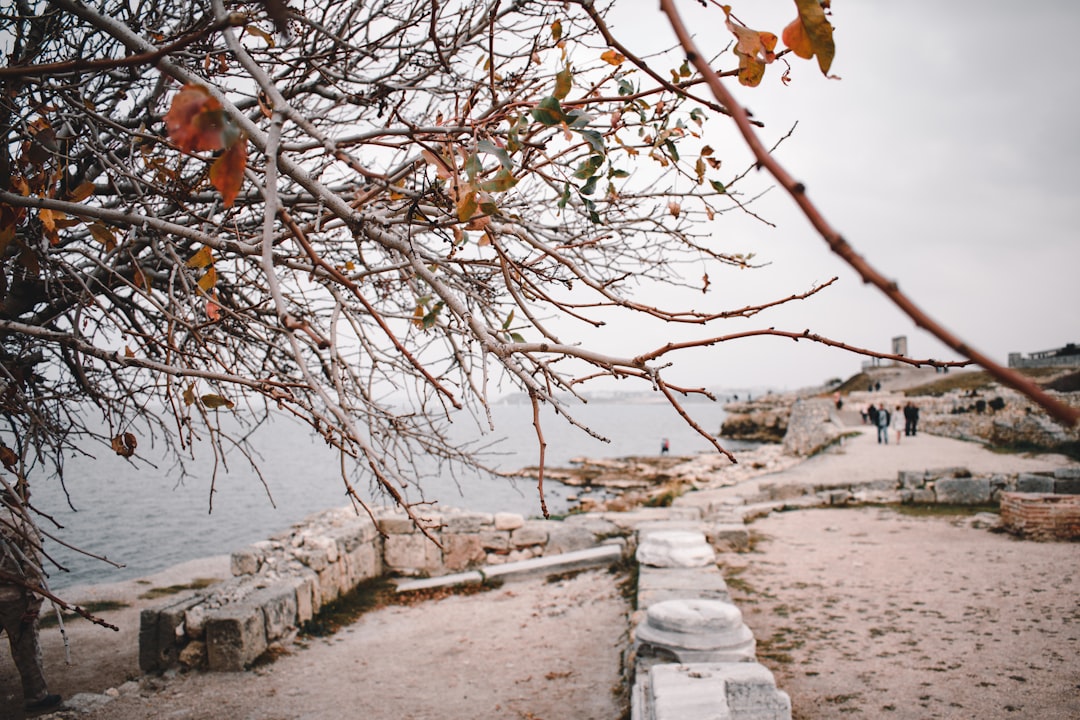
[947,155]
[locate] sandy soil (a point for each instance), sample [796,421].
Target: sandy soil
[870,613]
[532,649]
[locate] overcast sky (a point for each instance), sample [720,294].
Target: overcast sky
[947,155]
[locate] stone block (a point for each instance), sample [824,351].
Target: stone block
[962,491]
[411,554]
[462,551]
[329,587]
[729,536]
[235,636]
[714,691]
[1067,485]
[1068,473]
[923,496]
[161,634]
[1031,483]
[508,521]
[278,603]
[660,584]
[567,538]
[468,522]
[245,561]
[751,691]
[495,540]
[312,557]
[911,479]
[307,605]
[397,525]
[675,548]
[948,472]
[534,532]
[364,562]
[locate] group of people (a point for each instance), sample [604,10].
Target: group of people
[883,419]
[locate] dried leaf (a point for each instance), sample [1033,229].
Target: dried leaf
[811,34]
[195,120]
[124,444]
[189,394]
[208,280]
[556,30]
[563,82]
[201,259]
[216,401]
[83,191]
[754,50]
[227,172]
[613,57]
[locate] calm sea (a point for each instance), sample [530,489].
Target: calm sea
[145,517]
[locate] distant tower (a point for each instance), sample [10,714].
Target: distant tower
[899,346]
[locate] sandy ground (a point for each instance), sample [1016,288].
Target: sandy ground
[535,649]
[859,612]
[870,613]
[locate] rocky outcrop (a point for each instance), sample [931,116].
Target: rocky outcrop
[812,427]
[764,420]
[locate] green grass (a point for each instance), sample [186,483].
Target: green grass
[159,592]
[98,606]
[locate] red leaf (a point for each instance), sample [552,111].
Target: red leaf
[227,172]
[195,120]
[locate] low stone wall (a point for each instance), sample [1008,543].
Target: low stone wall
[281,583]
[1041,516]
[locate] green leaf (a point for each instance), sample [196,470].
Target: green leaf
[684,69]
[595,141]
[718,186]
[589,167]
[626,87]
[697,115]
[509,319]
[565,198]
[563,82]
[616,173]
[473,166]
[432,315]
[577,118]
[549,112]
[486,146]
[672,150]
[517,337]
[503,180]
[590,186]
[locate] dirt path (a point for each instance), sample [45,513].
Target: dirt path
[868,613]
[534,649]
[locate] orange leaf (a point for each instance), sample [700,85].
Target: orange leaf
[754,49]
[811,34]
[227,172]
[613,57]
[213,310]
[216,401]
[82,192]
[209,280]
[195,120]
[201,259]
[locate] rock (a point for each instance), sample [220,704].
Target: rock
[962,491]
[1031,483]
[193,656]
[694,631]
[675,548]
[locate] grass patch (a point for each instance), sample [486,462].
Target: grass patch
[98,606]
[977,380]
[159,592]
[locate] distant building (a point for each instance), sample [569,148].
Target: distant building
[1068,356]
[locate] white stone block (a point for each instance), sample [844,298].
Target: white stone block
[675,548]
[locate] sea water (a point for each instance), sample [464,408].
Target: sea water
[147,516]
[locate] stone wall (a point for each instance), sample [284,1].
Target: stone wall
[281,583]
[1041,516]
[811,427]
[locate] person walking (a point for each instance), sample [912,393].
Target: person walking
[19,605]
[883,418]
[898,423]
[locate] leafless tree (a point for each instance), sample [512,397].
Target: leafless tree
[363,215]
